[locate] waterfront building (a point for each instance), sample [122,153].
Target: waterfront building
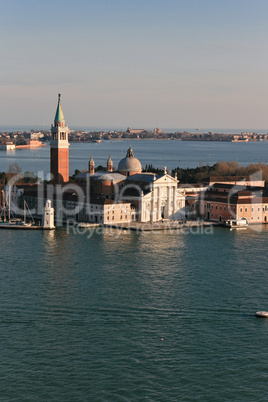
[136,130]
[105,211]
[7,146]
[222,202]
[249,181]
[59,148]
[31,144]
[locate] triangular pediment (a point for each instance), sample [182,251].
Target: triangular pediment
[166,178]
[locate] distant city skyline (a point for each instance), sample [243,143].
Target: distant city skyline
[146,64]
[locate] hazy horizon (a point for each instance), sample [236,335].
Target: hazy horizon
[36,127]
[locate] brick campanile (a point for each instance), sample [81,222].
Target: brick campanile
[59,148]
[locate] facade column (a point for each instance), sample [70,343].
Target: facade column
[152,205]
[174,200]
[144,212]
[168,201]
[159,204]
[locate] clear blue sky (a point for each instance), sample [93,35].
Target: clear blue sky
[149,63]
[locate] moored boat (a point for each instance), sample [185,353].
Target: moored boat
[263,314]
[236,223]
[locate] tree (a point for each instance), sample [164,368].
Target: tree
[14,173]
[14,168]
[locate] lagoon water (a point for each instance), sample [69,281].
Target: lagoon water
[134,317]
[139,316]
[158,153]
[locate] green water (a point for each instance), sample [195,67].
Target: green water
[134,317]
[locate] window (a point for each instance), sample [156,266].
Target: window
[241,209]
[216,206]
[252,209]
[246,210]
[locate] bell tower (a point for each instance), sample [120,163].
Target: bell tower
[59,148]
[91,166]
[109,166]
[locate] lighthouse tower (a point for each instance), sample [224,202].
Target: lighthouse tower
[59,148]
[48,217]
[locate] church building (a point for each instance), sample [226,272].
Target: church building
[153,197]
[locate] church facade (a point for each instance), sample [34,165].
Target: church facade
[160,198]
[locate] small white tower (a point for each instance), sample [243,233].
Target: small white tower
[48,217]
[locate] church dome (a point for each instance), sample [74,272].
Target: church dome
[129,165]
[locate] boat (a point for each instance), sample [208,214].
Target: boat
[20,222]
[236,223]
[262,314]
[87,225]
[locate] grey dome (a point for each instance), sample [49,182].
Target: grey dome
[129,163]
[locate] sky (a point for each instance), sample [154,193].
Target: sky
[135,63]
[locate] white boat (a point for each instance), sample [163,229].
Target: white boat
[263,314]
[87,225]
[236,223]
[19,222]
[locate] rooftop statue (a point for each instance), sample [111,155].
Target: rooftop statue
[130,153]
